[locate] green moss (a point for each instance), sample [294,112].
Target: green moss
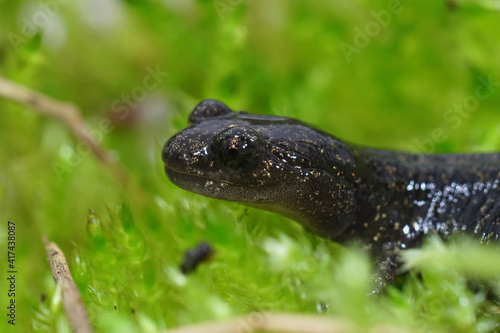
[284,58]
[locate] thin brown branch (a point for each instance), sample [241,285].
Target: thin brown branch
[273,322]
[66,112]
[71,299]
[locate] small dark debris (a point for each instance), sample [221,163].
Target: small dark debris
[323,307]
[132,310]
[192,258]
[43,297]
[116,308]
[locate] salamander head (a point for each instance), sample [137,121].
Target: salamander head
[271,162]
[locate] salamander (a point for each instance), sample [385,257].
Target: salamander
[387,200]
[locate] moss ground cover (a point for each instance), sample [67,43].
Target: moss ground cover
[408,75]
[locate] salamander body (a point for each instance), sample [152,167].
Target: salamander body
[342,191]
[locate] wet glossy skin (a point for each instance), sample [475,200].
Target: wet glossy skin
[345,192]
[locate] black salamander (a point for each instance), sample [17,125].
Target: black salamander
[345,192]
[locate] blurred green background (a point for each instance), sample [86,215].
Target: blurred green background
[410,75]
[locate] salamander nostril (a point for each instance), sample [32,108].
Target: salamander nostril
[187,157]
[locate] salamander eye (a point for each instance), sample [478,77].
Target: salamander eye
[238,149]
[208,108]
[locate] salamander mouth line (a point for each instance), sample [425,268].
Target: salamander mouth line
[199,176]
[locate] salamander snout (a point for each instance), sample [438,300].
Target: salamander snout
[176,153]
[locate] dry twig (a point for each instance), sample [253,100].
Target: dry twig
[43,104]
[72,301]
[283,322]
[273,322]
